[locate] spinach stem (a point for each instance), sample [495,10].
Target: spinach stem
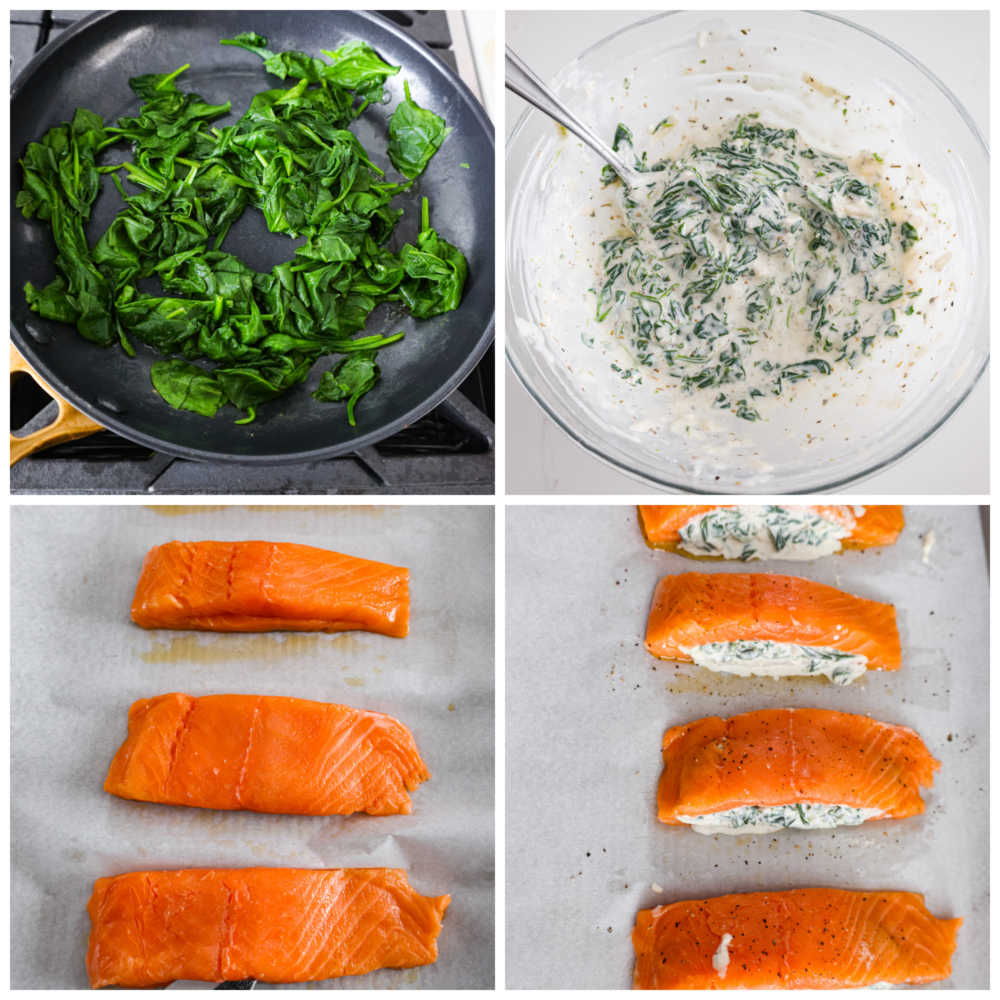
[172,76]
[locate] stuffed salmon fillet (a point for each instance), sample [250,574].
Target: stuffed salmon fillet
[275,925]
[819,939]
[267,587]
[786,531]
[790,768]
[265,754]
[762,624]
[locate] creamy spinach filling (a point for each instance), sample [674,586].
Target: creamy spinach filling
[751,265]
[763,657]
[761,532]
[764,819]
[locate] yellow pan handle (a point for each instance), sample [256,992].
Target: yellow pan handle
[69,425]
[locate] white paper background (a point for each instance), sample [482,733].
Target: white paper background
[586,713]
[78,662]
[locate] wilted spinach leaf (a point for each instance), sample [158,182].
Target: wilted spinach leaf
[248,387]
[908,236]
[435,272]
[251,41]
[60,184]
[415,134]
[350,380]
[622,134]
[281,64]
[357,67]
[187,387]
[292,156]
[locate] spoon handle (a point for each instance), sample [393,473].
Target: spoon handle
[523,82]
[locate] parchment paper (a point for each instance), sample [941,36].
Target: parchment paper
[78,662]
[587,708]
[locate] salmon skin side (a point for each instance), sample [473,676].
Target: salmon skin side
[880,524]
[265,754]
[695,609]
[821,939]
[268,587]
[789,755]
[275,925]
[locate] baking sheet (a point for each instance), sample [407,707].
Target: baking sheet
[587,707]
[78,662]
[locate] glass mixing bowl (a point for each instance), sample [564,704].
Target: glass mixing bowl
[935,127]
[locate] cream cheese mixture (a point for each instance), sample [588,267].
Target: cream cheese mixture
[774,287]
[751,262]
[766,658]
[770,819]
[758,532]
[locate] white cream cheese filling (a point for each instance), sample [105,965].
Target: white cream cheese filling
[720,960]
[764,658]
[768,819]
[762,532]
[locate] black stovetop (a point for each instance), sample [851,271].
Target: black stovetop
[449,451]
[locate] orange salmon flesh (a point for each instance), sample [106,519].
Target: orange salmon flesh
[821,939]
[267,587]
[275,925]
[694,609]
[789,755]
[265,754]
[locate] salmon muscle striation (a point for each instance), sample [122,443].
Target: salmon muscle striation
[786,756]
[265,754]
[820,939]
[695,610]
[268,587]
[275,925]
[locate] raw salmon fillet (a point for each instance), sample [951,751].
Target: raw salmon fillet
[878,525]
[788,755]
[276,925]
[268,587]
[265,754]
[695,609]
[820,939]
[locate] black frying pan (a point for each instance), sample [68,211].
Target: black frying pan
[89,66]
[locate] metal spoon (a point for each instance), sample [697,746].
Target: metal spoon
[524,83]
